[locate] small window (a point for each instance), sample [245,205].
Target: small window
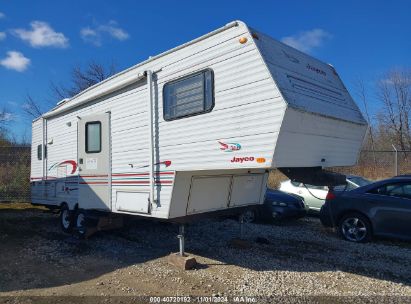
[348,187]
[314,187]
[190,95]
[93,137]
[39,152]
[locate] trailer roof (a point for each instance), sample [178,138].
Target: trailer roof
[60,105]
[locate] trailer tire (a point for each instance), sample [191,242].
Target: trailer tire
[80,223]
[66,219]
[248,216]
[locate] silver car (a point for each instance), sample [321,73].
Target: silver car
[314,196]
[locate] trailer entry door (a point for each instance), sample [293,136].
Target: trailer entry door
[94,162]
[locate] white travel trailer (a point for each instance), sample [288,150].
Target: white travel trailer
[194,130]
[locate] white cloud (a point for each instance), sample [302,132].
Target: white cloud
[2,36]
[15,61]
[91,36]
[42,35]
[308,40]
[2,15]
[114,31]
[96,34]
[6,116]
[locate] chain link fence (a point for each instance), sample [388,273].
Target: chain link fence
[376,165]
[15,173]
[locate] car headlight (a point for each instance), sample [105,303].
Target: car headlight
[282,204]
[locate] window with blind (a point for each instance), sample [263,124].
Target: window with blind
[188,96]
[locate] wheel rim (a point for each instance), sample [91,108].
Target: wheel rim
[354,229]
[65,218]
[80,222]
[248,217]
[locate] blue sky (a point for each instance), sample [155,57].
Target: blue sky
[40,41]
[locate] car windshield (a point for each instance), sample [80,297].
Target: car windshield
[358,180]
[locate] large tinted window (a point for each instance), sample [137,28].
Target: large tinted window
[93,137]
[395,189]
[190,95]
[400,190]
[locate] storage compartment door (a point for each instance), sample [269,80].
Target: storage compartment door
[247,189]
[209,193]
[128,201]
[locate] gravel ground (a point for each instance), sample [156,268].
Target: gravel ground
[297,258]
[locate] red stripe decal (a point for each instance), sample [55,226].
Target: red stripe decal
[141,182]
[125,182]
[142,174]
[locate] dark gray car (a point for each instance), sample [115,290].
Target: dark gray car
[277,205]
[382,208]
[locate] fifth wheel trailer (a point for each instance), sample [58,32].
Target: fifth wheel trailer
[195,129]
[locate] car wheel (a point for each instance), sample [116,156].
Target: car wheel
[80,223]
[66,219]
[355,227]
[248,216]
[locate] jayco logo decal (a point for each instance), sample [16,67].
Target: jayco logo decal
[241,160]
[229,147]
[316,70]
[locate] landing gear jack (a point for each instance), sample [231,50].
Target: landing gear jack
[181,239]
[180,259]
[240,242]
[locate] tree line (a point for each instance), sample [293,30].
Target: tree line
[391,123]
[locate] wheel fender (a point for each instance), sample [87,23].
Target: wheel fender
[71,205]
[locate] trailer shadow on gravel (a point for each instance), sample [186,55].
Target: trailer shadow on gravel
[36,254]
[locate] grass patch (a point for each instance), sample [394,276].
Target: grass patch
[19,206]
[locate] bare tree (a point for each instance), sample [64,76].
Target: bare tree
[5,118]
[32,107]
[81,79]
[394,91]
[361,92]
